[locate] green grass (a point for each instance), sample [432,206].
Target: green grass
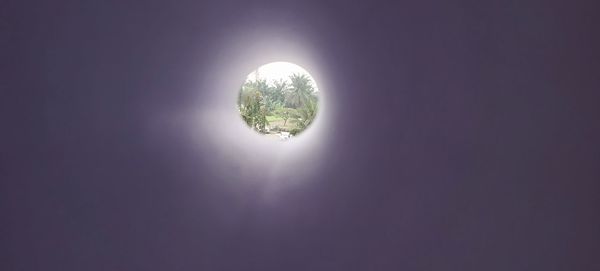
[274,118]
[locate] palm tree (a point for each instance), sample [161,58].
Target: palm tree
[307,114]
[300,90]
[277,91]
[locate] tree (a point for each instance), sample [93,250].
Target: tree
[277,91]
[300,90]
[296,100]
[307,113]
[252,108]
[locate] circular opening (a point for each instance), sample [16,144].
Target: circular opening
[279,100]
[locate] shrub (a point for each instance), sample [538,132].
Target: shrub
[295,131]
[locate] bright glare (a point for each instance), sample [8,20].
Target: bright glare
[222,137]
[278,100]
[276,71]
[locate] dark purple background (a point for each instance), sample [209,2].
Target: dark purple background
[466,139]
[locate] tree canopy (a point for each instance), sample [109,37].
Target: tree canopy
[294,100]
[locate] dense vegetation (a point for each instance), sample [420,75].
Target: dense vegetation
[279,106]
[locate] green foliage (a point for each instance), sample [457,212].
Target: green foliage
[306,114]
[295,103]
[285,113]
[295,131]
[272,104]
[300,90]
[277,91]
[253,110]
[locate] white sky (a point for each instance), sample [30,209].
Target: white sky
[275,71]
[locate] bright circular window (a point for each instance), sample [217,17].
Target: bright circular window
[279,100]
